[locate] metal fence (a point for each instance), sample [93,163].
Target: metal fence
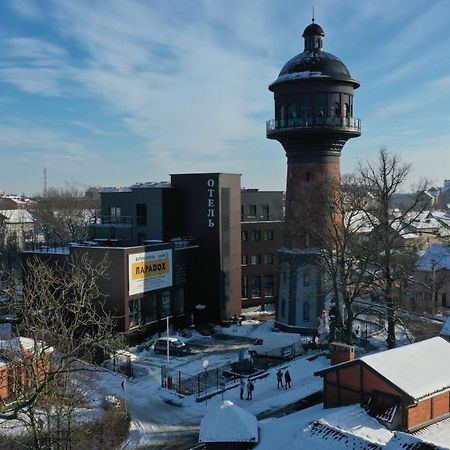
[200,383]
[216,379]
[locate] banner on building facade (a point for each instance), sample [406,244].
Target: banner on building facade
[148,271]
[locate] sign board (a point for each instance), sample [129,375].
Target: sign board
[148,271]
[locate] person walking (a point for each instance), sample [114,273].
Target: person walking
[241,388]
[250,388]
[279,379]
[287,379]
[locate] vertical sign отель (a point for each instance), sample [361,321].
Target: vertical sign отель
[211,203]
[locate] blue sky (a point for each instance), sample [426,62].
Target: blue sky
[118,91]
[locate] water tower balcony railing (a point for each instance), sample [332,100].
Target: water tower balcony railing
[340,123]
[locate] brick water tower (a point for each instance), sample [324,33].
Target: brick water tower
[313,120]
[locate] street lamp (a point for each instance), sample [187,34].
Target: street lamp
[205,366]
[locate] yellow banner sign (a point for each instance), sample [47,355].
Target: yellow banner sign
[144,269]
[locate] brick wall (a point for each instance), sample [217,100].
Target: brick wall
[428,410]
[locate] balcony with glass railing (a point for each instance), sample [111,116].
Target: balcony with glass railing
[347,124]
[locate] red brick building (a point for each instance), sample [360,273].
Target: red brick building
[17,356]
[261,236]
[406,388]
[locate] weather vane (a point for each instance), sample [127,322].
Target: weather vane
[313,13]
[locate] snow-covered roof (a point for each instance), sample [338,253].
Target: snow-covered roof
[315,428]
[437,256]
[438,433]
[17,216]
[404,441]
[418,369]
[228,423]
[445,331]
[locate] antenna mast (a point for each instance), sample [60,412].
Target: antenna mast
[45,181]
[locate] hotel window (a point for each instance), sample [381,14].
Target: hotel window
[244,236]
[252,210]
[256,235]
[134,315]
[265,212]
[268,235]
[244,260]
[268,285]
[255,259]
[141,214]
[165,304]
[268,258]
[256,286]
[244,287]
[114,212]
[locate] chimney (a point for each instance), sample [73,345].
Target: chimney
[340,352]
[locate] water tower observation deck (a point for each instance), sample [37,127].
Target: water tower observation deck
[313,98]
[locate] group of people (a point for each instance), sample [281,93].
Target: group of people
[250,388]
[287,379]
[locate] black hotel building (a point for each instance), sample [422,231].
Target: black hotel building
[173,250]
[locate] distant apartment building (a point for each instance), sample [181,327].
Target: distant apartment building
[261,236]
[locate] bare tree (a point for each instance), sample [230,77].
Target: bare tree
[393,259]
[62,315]
[337,225]
[64,214]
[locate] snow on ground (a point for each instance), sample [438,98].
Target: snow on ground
[156,421]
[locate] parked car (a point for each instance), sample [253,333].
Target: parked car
[176,346]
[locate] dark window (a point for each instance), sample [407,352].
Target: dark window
[265,212]
[255,259]
[268,285]
[283,307]
[244,260]
[256,235]
[256,286]
[141,214]
[305,312]
[268,258]
[165,304]
[114,212]
[306,240]
[150,309]
[444,299]
[306,279]
[242,212]
[252,210]
[244,287]
[268,235]
[134,315]
[308,176]
[244,236]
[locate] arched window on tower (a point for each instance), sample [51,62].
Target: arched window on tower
[281,116]
[336,109]
[292,114]
[283,307]
[305,312]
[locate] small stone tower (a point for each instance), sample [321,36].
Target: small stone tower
[313,120]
